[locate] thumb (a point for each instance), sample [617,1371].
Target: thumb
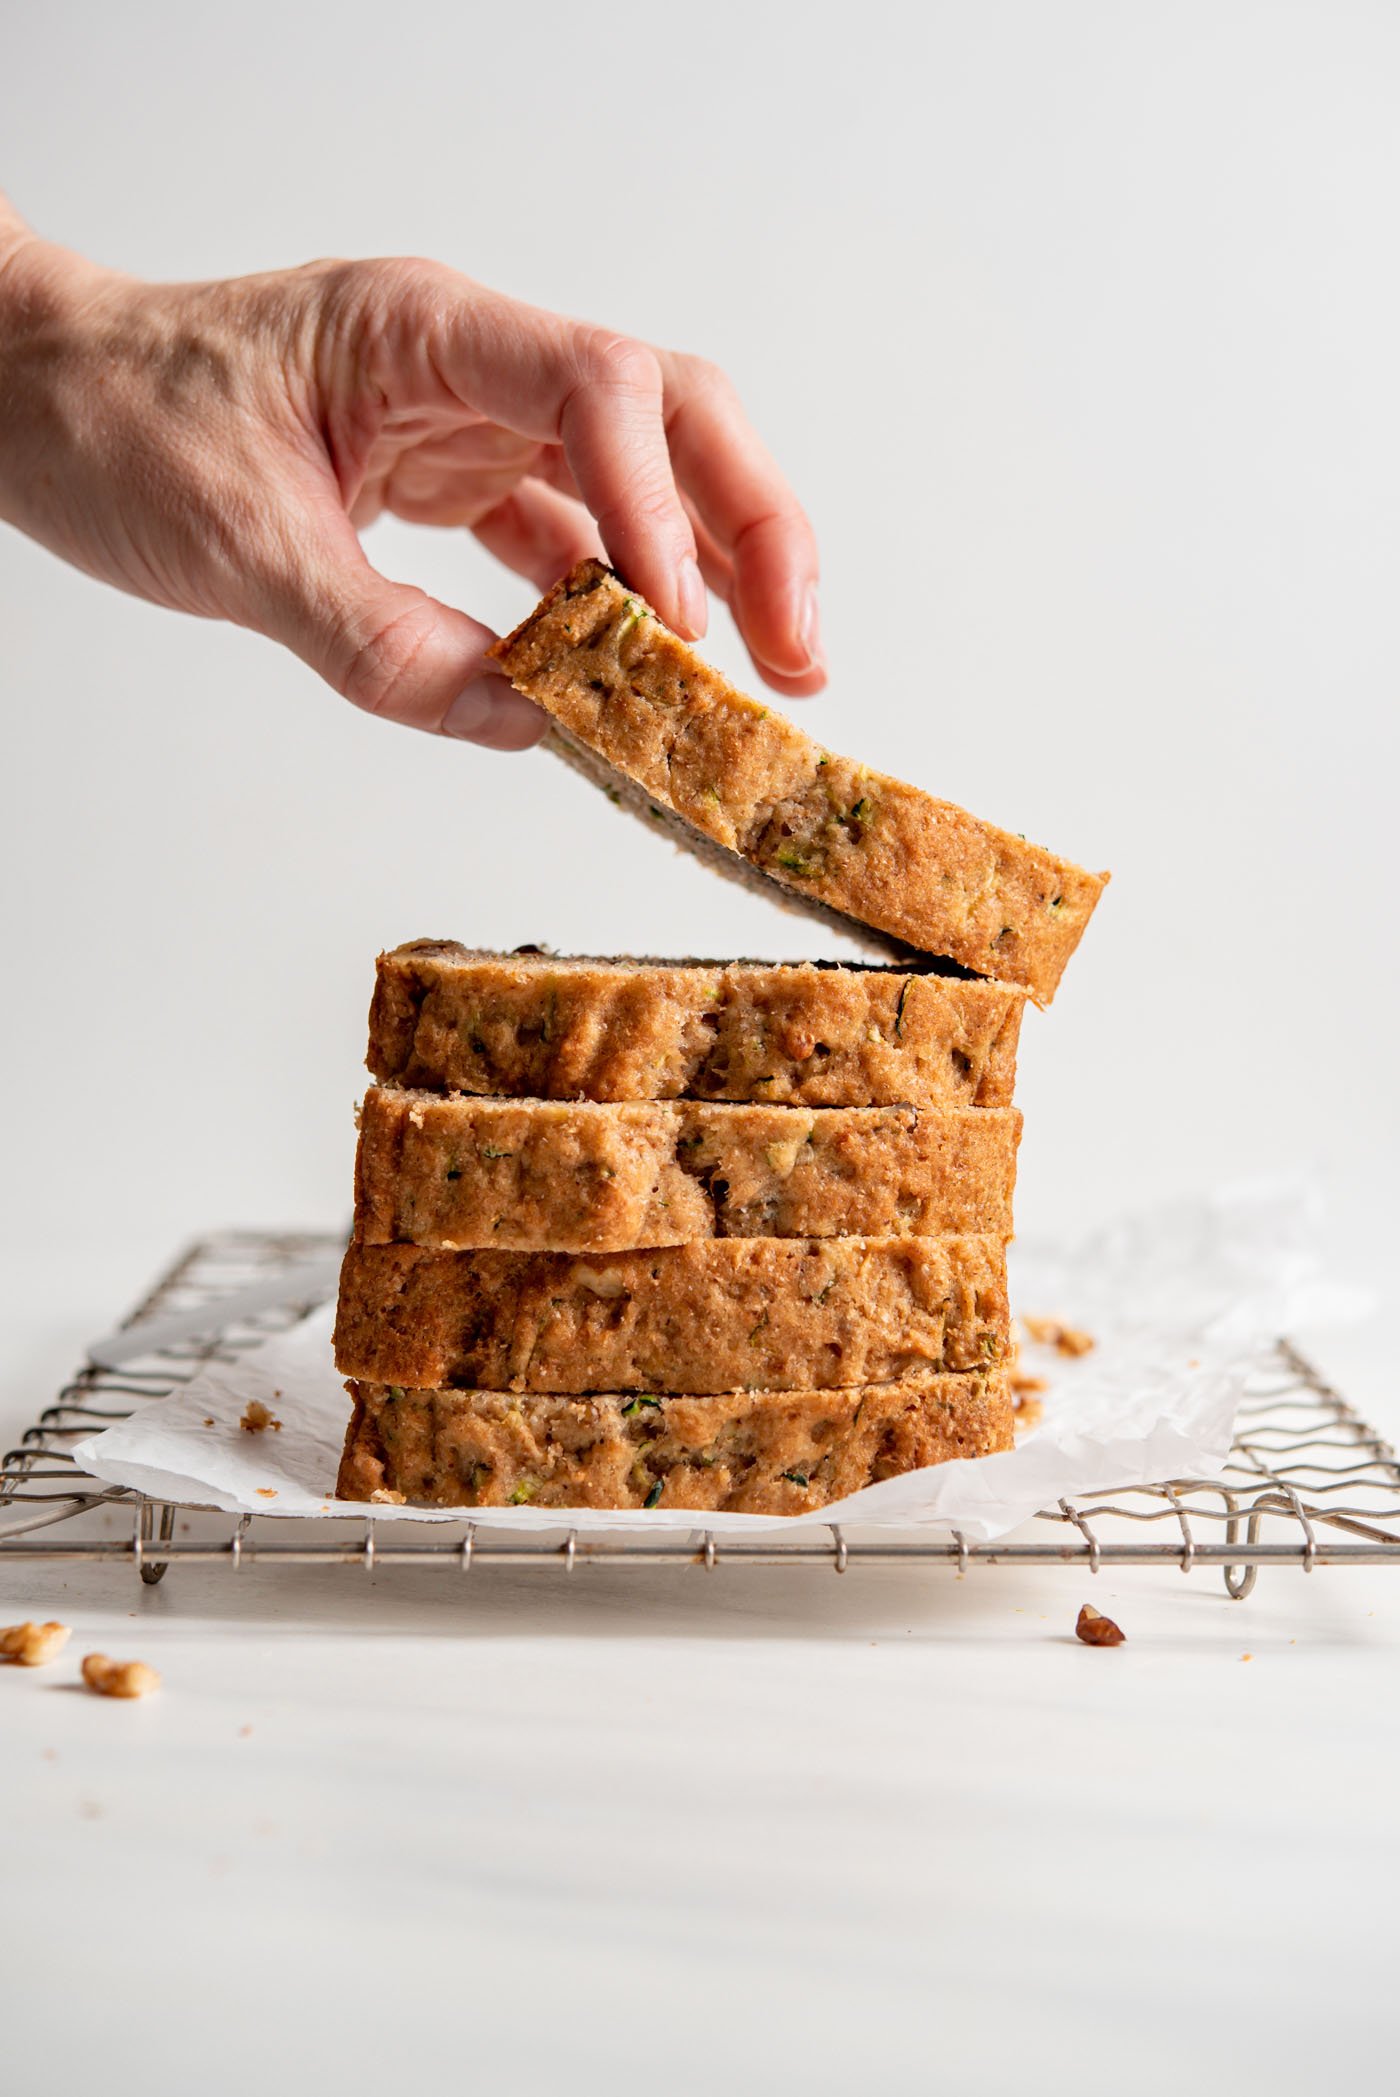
[398,653]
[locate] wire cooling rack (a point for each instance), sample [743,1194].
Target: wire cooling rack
[1308,1483]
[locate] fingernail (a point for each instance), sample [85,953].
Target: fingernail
[810,628]
[475,710]
[690,588]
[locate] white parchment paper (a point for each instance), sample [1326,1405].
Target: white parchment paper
[1182,1302]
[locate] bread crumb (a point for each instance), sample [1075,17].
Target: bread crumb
[267,1492]
[119,1678]
[256,1418]
[1051,1332]
[1246,1656]
[209,1423]
[383,1497]
[1097,1630]
[34,1645]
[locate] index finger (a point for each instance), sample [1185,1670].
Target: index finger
[598,395]
[745,503]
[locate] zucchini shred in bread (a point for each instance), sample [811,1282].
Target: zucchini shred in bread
[529,1175]
[743,1452]
[629,698]
[816,1035]
[720,1314]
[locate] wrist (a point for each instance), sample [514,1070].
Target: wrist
[12,229]
[43,292]
[35,279]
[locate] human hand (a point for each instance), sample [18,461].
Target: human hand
[214,447]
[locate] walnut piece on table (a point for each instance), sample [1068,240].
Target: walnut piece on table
[1052,1332]
[34,1645]
[119,1678]
[1097,1630]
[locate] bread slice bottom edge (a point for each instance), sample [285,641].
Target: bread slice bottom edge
[737,1452]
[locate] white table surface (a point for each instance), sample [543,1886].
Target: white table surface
[751,1830]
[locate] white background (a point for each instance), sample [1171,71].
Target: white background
[1077,327]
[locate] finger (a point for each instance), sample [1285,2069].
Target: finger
[754,516]
[805,687]
[718,571]
[539,533]
[457,474]
[388,648]
[715,564]
[614,438]
[598,395]
[550,561]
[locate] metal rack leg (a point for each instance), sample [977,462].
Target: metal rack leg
[1239,1579]
[146,1533]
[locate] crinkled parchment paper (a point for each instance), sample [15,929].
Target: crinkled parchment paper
[1182,1301]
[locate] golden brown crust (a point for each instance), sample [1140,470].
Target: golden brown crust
[549,1027]
[545,1175]
[748,1452]
[623,687]
[721,1314]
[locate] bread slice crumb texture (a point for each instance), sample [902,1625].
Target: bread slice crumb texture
[718,1314]
[918,870]
[743,1452]
[536,1175]
[548,1026]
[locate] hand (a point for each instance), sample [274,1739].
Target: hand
[213,447]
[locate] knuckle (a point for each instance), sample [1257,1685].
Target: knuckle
[653,503]
[783,516]
[403,274]
[389,663]
[709,380]
[617,362]
[645,498]
[389,288]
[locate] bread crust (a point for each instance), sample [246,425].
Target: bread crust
[624,688]
[536,1175]
[746,1452]
[719,1314]
[551,1027]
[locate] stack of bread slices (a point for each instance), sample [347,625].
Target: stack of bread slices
[709,1235]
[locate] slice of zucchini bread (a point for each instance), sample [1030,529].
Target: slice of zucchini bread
[627,695]
[720,1314]
[551,1027]
[747,1452]
[546,1175]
